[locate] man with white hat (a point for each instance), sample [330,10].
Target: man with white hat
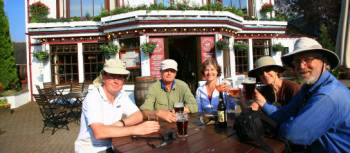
[108,112]
[318,115]
[163,94]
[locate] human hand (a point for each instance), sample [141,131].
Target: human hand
[166,115]
[259,98]
[146,127]
[254,106]
[186,110]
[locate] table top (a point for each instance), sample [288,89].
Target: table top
[201,138]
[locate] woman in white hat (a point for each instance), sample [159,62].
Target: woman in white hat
[276,91]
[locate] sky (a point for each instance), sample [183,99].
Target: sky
[14,10]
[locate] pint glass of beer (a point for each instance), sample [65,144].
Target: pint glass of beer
[181,124]
[179,107]
[249,84]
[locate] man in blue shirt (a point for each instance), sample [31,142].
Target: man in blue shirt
[319,114]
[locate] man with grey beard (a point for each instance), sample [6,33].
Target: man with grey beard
[318,115]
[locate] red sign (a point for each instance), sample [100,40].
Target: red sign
[207,47]
[157,56]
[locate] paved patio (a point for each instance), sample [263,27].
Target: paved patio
[21,132]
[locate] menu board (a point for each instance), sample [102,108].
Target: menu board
[157,56]
[207,47]
[131,58]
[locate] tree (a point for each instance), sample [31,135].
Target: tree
[8,73]
[325,39]
[306,16]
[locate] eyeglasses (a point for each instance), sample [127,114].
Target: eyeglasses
[305,60]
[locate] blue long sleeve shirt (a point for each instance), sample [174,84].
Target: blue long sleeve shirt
[321,121]
[206,105]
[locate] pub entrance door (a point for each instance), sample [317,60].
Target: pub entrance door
[184,50]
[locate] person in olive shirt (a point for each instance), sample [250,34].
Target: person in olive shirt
[163,94]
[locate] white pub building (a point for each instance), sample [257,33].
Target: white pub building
[185,35]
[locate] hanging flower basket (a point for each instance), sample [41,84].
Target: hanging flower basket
[238,46]
[41,56]
[148,48]
[277,47]
[221,44]
[109,48]
[267,7]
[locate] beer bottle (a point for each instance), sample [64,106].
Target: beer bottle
[222,118]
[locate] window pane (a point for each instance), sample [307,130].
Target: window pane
[75,8]
[88,7]
[242,4]
[64,64]
[99,5]
[93,61]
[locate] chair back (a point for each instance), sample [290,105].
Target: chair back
[77,87]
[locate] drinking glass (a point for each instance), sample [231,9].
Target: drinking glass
[181,124]
[249,85]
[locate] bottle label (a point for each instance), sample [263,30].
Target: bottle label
[221,116]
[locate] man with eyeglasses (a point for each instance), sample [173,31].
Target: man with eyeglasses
[318,115]
[163,94]
[108,112]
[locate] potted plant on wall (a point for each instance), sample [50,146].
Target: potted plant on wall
[148,48]
[266,8]
[41,56]
[38,12]
[278,48]
[109,50]
[240,46]
[221,44]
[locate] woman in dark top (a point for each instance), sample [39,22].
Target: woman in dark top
[275,90]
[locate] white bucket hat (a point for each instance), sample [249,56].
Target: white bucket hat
[115,66]
[305,44]
[265,62]
[168,64]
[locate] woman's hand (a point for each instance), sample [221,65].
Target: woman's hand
[259,98]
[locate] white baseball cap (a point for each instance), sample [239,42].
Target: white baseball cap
[168,64]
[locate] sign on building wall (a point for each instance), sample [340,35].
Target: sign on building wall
[157,56]
[207,47]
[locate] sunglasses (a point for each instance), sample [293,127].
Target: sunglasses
[261,71]
[116,76]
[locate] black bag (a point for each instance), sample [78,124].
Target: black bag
[250,129]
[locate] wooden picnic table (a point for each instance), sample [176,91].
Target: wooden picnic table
[201,138]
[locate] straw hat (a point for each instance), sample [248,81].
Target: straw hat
[265,62]
[305,44]
[115,66]
[168,64]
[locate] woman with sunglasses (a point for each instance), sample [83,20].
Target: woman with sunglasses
[276,90]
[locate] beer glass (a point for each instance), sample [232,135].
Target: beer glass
[181,124]
[179,107]
[249,84]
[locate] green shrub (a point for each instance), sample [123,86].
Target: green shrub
[109,48]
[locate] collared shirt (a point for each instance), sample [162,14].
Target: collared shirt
[97,109]
[158,98]
[321,121]
[211,105]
